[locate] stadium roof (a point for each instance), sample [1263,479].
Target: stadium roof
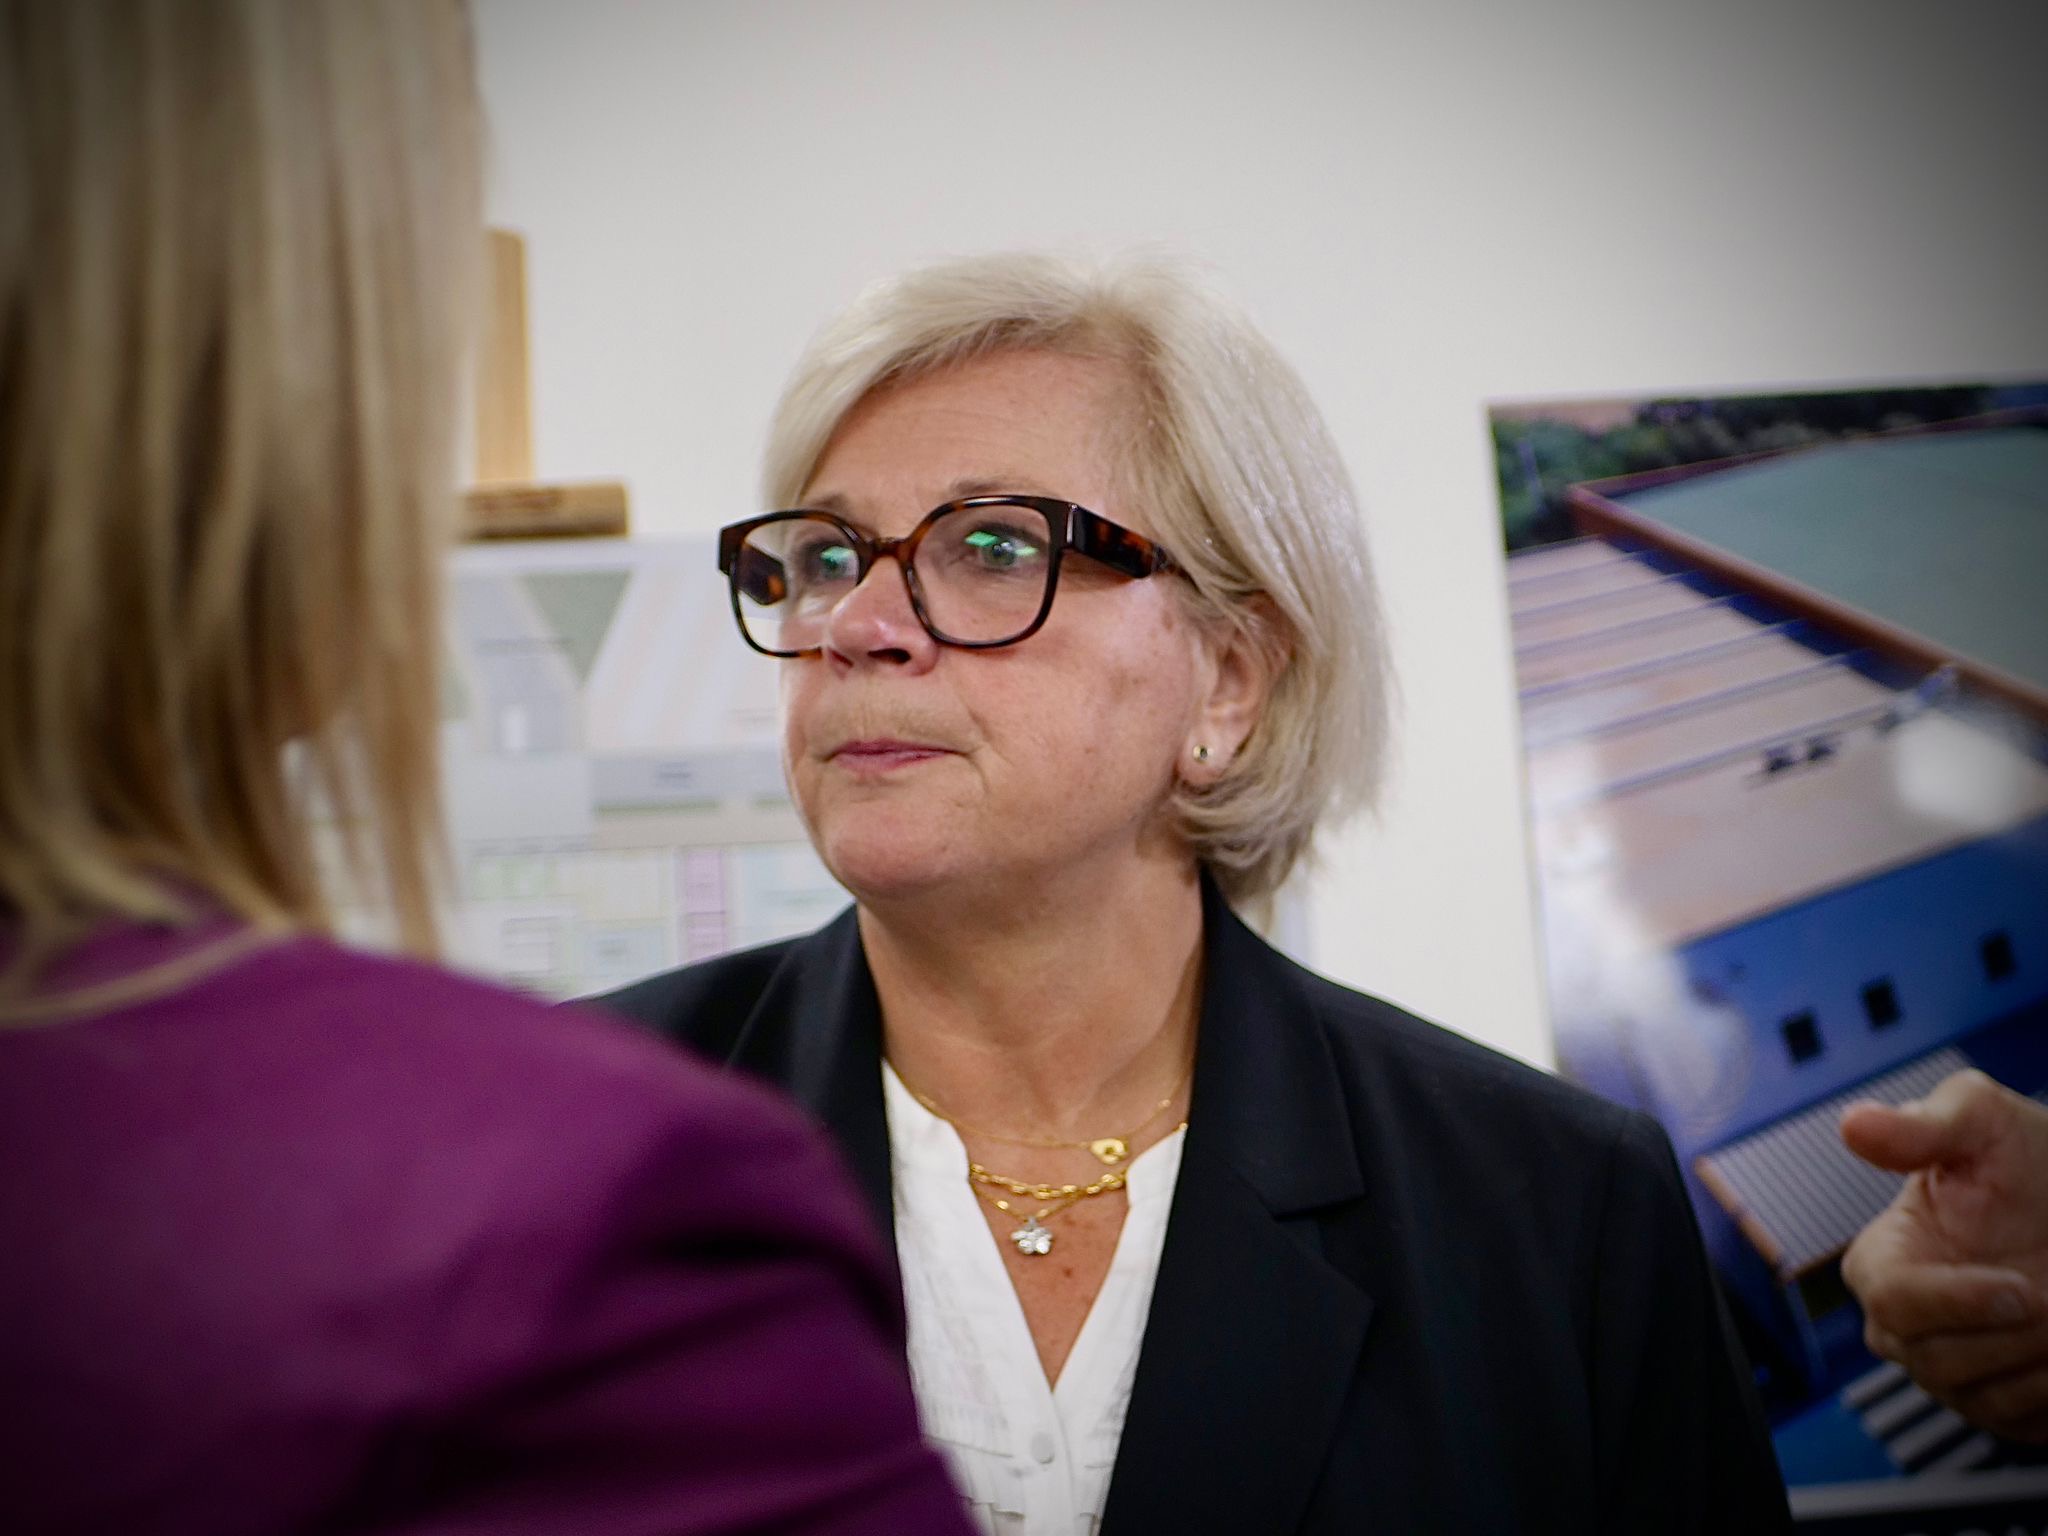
[1938,538]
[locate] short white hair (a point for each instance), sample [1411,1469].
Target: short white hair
[1239,480]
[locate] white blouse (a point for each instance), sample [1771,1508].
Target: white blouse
[1032,1459]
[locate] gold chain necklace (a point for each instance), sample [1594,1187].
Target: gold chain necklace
[1034,1238]
[1108,1150]
[1064,1193]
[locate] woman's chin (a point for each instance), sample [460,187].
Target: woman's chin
[878,867]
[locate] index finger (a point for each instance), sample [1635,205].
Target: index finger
[1957,1120]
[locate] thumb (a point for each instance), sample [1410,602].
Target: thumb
[1952,1124]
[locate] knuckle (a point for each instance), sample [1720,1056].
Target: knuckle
[1882,1303]
[1935,1372]
[1856,1265]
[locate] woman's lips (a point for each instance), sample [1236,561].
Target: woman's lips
[880,757]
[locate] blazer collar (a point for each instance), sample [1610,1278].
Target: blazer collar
[817,1031]
[1253,1338]
[1266,1100]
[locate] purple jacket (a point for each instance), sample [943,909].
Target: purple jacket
[327,1242]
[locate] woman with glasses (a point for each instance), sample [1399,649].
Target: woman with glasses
[294,1238]
[1080,646]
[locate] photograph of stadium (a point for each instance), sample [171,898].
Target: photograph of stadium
[1783,675]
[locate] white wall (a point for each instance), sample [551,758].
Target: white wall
[1427,205]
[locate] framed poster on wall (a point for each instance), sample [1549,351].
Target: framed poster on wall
[1782,664]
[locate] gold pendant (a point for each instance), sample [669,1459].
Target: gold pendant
[1110,1150]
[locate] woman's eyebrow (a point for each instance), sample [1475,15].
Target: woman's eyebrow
[837,505]
[995,485]
[834,503]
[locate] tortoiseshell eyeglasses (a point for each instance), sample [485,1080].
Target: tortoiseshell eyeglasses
[981,571]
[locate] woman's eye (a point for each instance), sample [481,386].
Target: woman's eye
[999,550]
[827,562]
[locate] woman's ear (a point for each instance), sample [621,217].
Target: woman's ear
[1245,661]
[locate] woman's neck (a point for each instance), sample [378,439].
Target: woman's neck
[1063,1014]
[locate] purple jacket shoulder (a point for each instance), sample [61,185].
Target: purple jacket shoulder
[324,1240]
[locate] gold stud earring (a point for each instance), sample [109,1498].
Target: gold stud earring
[1201,754]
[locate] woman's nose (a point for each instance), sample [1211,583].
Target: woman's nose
[875,622]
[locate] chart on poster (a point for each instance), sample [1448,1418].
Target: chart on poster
[614,788]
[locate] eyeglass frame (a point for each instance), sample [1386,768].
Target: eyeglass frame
[1073,528]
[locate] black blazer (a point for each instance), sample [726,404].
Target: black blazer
[1408,1284]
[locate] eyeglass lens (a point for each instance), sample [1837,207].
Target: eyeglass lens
[981,572]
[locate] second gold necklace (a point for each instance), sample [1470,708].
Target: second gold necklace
[1108,1150]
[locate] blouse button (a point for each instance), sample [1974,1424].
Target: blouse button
[1042,1447]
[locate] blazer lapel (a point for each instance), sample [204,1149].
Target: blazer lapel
[1253,1339]
[817,1030]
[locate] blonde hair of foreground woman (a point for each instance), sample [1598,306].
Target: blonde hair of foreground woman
[236,249]
[1237,476]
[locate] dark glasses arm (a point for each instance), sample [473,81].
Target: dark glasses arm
[1117,547]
